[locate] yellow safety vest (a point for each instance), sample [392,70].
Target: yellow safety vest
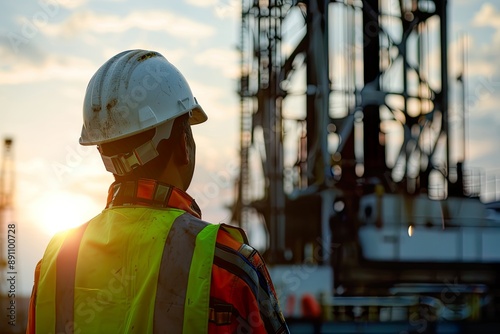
[129,270]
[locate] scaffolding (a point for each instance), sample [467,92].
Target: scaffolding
[334,93]
[6,204]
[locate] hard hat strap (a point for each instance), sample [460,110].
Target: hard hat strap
[124,163]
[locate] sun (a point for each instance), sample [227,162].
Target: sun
[60,210]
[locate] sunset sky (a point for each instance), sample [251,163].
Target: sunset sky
[49,49]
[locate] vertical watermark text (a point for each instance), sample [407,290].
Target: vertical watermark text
[11,277]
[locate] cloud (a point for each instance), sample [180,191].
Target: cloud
[483,98]
[482,68]
[206,3]
[224,60]
[162,21]
[52,68]
[214,99]
[71,4]
[221,8]
[12,53]
[481,149]
[487,16]
[476,64]
[228,9]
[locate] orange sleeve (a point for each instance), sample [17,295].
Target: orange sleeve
[240,304]
[31,312]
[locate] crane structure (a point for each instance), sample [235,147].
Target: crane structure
[349,159]
[6,206]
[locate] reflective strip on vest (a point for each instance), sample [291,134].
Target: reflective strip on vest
[46,296]
[200,274]
[138,271]
[184,278]
[65,280]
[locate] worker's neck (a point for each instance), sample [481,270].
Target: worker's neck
[173,175]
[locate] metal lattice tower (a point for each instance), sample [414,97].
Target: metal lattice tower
[261,62]
[335,94]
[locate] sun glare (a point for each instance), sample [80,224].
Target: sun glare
[58,211]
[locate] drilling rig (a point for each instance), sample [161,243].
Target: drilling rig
[6,206]
[352,166]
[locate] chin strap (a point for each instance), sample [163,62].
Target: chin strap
[123,164]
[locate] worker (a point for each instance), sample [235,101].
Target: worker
[148,263]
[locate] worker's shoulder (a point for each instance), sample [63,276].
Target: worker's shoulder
[228,233]
[233,251]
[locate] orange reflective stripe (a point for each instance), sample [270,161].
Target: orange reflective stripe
[145,192]
[32,307]
[146,189]
[65,280]
[225,238]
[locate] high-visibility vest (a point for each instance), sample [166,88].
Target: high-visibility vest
[147,264]
[129,270]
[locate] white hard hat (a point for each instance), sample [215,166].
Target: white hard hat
[132,92]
